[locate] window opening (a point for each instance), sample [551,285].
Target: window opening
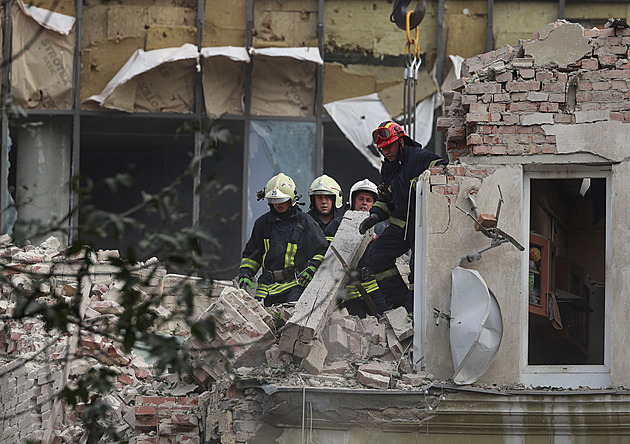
[567,271]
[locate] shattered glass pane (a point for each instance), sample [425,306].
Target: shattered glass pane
[279,147]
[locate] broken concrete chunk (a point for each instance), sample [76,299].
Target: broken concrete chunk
[378,368]
[400,322]
[394,344]
[373,380]
[337,340]
[336,368]
[417,379]
[314,362]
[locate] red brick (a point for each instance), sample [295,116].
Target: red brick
[480,150]
[456,170]
[594,32]
[557,97]
[607,60]
[625,65]
[590,64]
[498,149]
[600,86]
[145,410]
[619,84]
[501,98]
[490,140]
[488,129]
[483,88]
[478,108]
[548,148]
[549,107]
[522,107]
[156,400]
[585,86]
[607,32]
[508,129]
[183,400]
[618,116]
[563,118]
[125,379]
[554,86]
[446,189]
[518,96]
[477,117]
[456,133]
[497,107]
[487,98]
[469,99]
[527,73]
[474,139]
[544,75]
[562,77]
[529,85]
[505,77]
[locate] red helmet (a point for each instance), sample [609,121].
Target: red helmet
[386,133]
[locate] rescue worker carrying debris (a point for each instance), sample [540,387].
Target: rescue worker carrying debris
[285,242]
[404,161]
[363,195]
[326,201]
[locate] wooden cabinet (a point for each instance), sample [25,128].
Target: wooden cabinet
[540,276]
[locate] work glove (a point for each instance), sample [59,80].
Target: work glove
[368,223]
[244,282]
[306,275]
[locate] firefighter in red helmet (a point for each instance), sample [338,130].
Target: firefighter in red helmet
[404,160]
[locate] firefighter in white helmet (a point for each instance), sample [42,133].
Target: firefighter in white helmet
[363,195]
[286,243]
[326,201]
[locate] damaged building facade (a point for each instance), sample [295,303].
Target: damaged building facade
[539,125]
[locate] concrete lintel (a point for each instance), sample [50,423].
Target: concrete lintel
[563,46]
[536,159]
[606,139]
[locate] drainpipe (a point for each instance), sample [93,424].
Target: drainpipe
[561,5]
[490,26]
[6,88]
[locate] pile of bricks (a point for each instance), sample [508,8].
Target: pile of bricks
[504,98]
[33,358]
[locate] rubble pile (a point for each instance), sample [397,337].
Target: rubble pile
[351,353]
[32,359]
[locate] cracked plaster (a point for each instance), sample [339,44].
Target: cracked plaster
[607,139]
[563,46]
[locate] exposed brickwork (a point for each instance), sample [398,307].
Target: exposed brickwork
[533,96]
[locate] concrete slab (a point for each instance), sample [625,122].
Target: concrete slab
[564,45]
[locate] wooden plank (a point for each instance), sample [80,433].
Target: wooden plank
[318,301]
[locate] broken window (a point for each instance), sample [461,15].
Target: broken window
[150,150]
[567,270]
[280,147]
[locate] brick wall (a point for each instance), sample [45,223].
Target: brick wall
[503,99]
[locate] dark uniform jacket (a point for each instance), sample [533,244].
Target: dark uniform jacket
[329,229]
[283,247]
[396,199]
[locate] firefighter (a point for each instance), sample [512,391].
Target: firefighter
[286,243]
[326,201]
[404,160]
[363,195]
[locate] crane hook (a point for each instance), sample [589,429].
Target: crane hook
[399,14]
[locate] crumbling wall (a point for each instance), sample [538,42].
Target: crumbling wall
[33,358]
[560,98]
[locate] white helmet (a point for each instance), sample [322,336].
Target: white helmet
[362,185]
[280,188]
[328,186]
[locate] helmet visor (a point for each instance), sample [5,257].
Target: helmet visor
[380,135]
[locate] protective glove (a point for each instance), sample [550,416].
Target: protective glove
[244,282]
[368,223]
[306,275]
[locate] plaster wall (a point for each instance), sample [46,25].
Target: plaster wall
[452,235]
[618,284]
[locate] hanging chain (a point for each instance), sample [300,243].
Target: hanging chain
[410,79]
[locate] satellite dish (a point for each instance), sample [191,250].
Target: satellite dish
[476,325]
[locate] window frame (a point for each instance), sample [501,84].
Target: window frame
[569,375]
